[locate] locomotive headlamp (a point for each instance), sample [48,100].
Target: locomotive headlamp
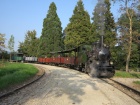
[111,62]
[97,63]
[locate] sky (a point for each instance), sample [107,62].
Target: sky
[19,16]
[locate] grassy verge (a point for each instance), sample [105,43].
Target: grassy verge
[14,73]
[137,82]
[124,74]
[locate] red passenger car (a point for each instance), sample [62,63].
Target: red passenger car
[61,58]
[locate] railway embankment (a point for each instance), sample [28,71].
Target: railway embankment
[131,79]
[130,82]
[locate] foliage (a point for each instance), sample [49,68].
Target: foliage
[124,23]
[15,73]
[134,60]
[51,38]
[2,40]
[118,56]
[11,45]
[4,55]
[29,46]
[78,30]
[128,7]
[110,35]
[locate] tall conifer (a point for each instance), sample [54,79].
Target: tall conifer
[50,39]
[110,34]
[78,30]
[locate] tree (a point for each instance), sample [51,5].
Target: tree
[50,39]
[4,55]
[11,45]
[123,22]
[110,34]
[2,40]
[128,6]
[78,30]
[30,44]
[103,23]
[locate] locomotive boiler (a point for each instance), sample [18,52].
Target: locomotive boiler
[99,61]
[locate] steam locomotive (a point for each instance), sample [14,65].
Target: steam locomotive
[99,61]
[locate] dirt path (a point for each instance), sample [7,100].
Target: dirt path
[62,86]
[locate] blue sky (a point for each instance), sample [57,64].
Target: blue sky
[19,16]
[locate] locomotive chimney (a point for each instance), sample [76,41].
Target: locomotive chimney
[102,41]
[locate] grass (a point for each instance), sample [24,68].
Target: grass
[137,82]
[14,73]
[124,74]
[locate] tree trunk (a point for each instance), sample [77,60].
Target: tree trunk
[128,57]
[129,46]
[10,57]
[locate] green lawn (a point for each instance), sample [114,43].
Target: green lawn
[124,74]
[14,73]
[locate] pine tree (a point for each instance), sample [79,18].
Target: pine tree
[78,30]
[50,39]
[103,23]
[110,35]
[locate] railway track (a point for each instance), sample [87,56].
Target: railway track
[134,94]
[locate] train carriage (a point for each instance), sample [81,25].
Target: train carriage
[17,57]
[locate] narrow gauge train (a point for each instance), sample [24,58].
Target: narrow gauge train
[93,59]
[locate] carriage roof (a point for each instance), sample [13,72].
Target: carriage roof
[66,51]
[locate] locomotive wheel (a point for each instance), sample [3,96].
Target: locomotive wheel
[80,69]
[111,74]
[84,70]
[89,73]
